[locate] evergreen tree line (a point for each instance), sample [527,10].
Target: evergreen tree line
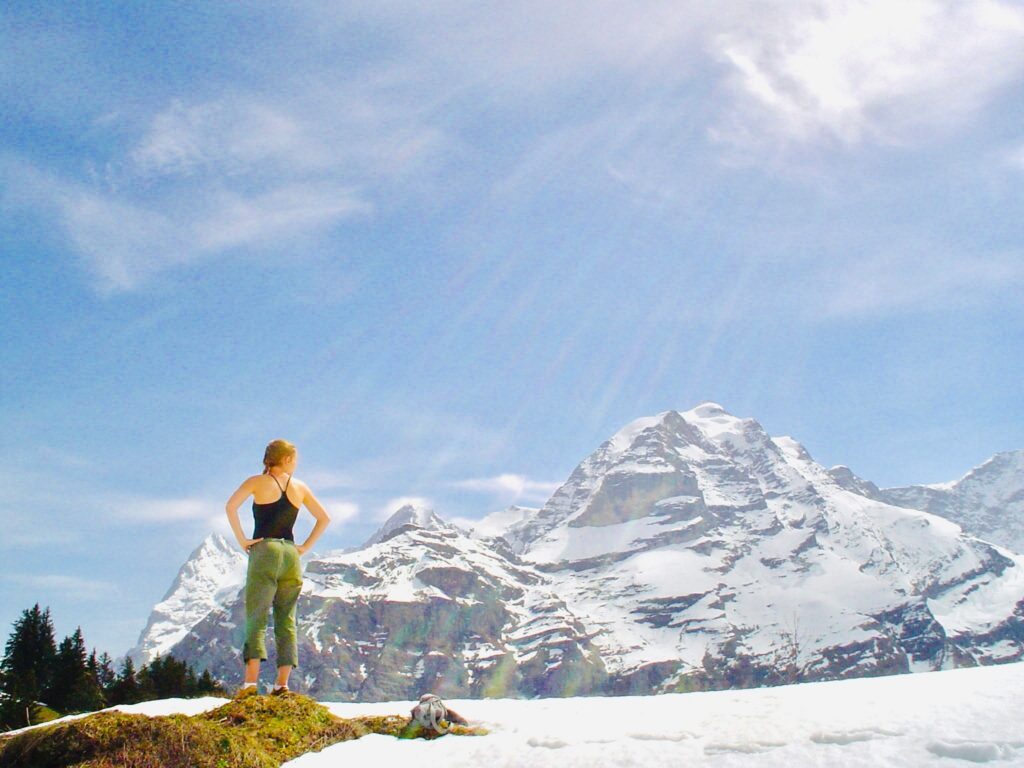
[40,679]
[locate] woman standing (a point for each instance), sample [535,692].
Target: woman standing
[274,576]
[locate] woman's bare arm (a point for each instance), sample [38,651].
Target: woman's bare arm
[244,491]
[322,519]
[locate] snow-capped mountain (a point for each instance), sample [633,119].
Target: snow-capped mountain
[425,607]
[691,550]
[987,502]
[845,478]
[691,538]
[213,575]
[415,515]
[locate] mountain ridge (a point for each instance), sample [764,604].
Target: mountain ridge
[690,550]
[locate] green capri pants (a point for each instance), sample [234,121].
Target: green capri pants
[274,579]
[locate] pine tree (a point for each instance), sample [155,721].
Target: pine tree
[93,665]
[165,677]
[105,674]
[74,685]
[26,669]
[208,685]
[125,689]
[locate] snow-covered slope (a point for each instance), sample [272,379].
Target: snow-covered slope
[435,608]
[689,551]
[987,502]
[955,717]
[497,523]
[213,575]
[692,539]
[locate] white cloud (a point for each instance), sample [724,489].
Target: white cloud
[340,510]
[157,510]
[125,241]
[241,219]
[75,587]
[228,135]
[870,70]
[210,176]
[263,163]
[915,277]
[533,46]
[847,70]
[510,486]
[23,533]
[218,523]
[326,478]
[465,523]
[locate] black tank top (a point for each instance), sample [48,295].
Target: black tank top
[275,520]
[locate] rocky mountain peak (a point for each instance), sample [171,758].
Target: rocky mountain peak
[1008,465]
[987,502]
[214,572]
[689,547]
[845,478]
[408,515]
[214,544]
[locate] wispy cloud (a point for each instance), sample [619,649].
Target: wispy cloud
[22,533]
[782,73]
[871,70]
[465,523]
[340,510]
[511,487]
[207,177]
[218,523]
[74,587]
[143,509]
[300,152]
[430,439]
[328,479]
[124,239]
[228,136]
[918,276]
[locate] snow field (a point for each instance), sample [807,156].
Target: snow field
[953,718]
[950,718]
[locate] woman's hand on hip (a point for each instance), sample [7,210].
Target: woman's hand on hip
[303,549]
[246,543]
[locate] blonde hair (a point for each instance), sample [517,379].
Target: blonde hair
[277,451]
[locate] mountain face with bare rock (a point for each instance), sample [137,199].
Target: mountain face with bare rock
[987,502]
[690,551]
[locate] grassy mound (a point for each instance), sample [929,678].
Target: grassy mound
[253,732]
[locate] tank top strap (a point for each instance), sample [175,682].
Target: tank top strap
[279,483]
[288,483]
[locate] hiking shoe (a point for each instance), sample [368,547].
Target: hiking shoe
[246,691]
[280,691]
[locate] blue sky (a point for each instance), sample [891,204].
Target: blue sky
[448,251]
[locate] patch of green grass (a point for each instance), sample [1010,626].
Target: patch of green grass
[253,732]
